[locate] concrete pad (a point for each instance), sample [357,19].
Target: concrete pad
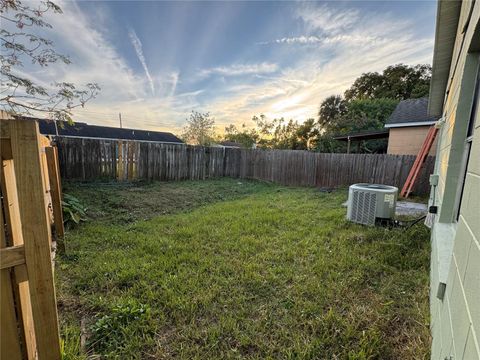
[407,208]
[410,208]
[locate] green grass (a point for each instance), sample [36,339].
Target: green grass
[239,270]
[122,203]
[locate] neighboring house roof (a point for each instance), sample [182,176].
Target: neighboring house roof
[411,112]
[364,135]
[231,144]
[84,130]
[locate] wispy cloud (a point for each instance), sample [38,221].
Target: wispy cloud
[327,19]
[325,25]
[294,40]
[241,69]
[336,45]
[296,92]
[137,45]
[95,59]
[174,79]
[323,40]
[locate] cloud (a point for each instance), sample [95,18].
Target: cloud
[327,25]
[324,40]
[95,59]
[241,69]
[288,81]
[322,70]
[294,40]
[327,18]
[174,79]
[137,45]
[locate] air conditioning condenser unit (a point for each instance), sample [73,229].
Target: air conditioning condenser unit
[368,203]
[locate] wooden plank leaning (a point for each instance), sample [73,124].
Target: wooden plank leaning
[55,188]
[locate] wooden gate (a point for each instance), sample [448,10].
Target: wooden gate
[30,205]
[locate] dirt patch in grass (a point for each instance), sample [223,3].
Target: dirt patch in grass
[262,272]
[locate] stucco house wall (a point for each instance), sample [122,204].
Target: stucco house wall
[455,260]
[408,140]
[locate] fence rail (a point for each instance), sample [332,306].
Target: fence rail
[89,159]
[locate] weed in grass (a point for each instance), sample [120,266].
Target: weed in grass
[73,210]
[126,328]
[70,339]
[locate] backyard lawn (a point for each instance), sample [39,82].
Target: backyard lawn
[225,269]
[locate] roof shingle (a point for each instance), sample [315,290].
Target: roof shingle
[105,132]
[411,111]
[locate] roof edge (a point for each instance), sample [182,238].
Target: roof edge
[79,123]
[448,13]
[410,124]
[369,134]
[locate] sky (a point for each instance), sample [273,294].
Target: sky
[157,61]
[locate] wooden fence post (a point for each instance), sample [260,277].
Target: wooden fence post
[36,236]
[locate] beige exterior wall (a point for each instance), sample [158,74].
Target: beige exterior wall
[408,140]
[455,261]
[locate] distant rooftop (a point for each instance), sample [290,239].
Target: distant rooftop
[364,135]
[84,130]
[411,112]
[232,144]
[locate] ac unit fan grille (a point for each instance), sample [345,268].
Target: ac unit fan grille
[364,207]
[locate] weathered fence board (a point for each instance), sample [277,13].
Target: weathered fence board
[127,160]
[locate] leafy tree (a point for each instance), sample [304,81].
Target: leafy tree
[368,103]
[264,126]
[265,129]
[405,82]
[18,43]
[307,134]
[330,108]
[368,114]
[276,134]
[367,86]
[398,82]
[283,134]
[199,130]
[360,115]
[325,143]
[246,137]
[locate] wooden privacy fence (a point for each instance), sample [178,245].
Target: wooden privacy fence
[30,206]
[89,159]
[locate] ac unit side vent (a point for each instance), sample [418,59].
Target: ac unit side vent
[364,207]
